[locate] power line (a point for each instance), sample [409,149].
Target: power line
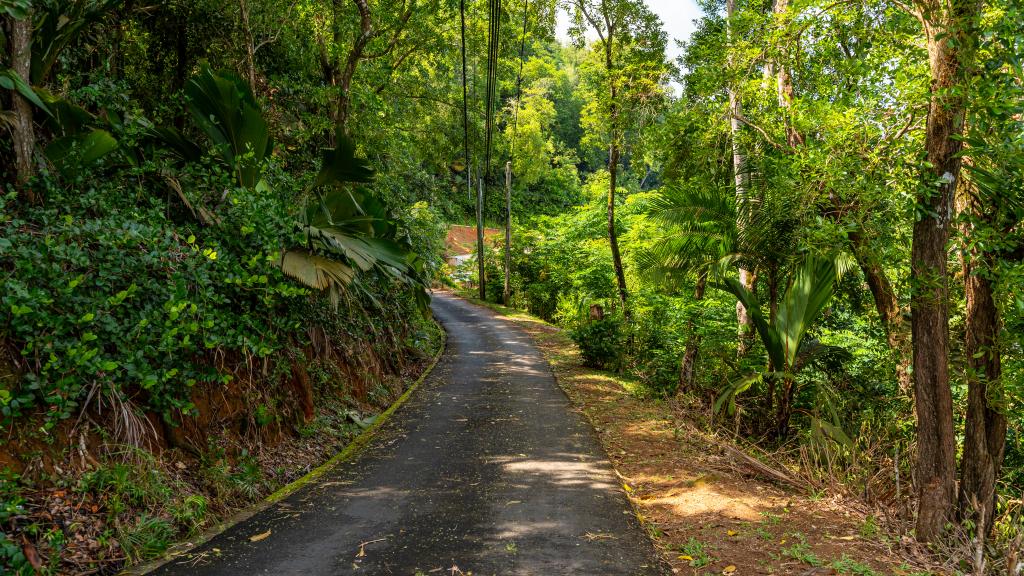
[465,98]
[508,165]
[519,82]
[492,79]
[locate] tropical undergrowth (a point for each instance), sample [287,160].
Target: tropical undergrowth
[175,306]
[831,373]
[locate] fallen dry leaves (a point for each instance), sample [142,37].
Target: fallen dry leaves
[703,516]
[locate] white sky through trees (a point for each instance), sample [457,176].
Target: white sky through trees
[677,16]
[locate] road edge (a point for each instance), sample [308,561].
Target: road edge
[351,450]
[523,320]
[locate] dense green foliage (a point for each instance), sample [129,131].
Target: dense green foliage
[822,168]
[182,232]
[213,190]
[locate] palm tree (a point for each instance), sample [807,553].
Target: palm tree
[784,331]
[705,235]
[702,234]
[345,229]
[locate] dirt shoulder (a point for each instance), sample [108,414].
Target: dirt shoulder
[703,513]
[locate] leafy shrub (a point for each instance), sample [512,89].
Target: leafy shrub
[600,343]
[117,303]
[658,369]
[12,557]
[191,512]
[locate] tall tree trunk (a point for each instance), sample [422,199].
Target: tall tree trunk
[613,239]
[950,29]
[784,83]
[887,304]
[250,45]
[744,323]
[22,130]
[344,75]
[985,426]
[613,170]
[687,375]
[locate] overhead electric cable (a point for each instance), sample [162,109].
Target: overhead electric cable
[492,77]
[519,82]
[465,102]
[507,294]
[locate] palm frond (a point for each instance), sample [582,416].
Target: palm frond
[315,271]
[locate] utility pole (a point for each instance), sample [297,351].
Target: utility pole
[508,233]
[480,233]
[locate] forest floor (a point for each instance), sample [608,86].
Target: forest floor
[705,514]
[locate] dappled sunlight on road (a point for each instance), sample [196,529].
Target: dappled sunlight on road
[575,470]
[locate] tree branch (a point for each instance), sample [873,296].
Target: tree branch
[593,22]
[396,34]
[394,68]
[764,133]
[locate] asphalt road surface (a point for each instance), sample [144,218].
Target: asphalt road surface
[486,471]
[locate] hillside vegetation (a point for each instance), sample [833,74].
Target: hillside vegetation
[220,221]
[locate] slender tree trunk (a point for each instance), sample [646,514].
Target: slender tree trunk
[745,325]
[613,170]
[22,130]
[355,54]
[250,45]
[507,293]
[784,84]
[950,55]
[888,307]
[784,412]
[687,375]
[985,427]
[613,239]
[481,268]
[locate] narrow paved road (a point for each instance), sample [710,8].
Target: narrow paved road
[487,469]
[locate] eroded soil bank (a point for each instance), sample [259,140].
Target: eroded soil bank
[94,497]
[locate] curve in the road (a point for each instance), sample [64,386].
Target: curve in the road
[487,470]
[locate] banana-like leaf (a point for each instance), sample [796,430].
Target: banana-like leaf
[17,9]
[314,270]
[341,166]
[811,289]
[176,142]
[811,350]
[769,335]
[10,80]
[65,117]
[70,153]
[224,107]
[727,397]
[825,429]
[58,23]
